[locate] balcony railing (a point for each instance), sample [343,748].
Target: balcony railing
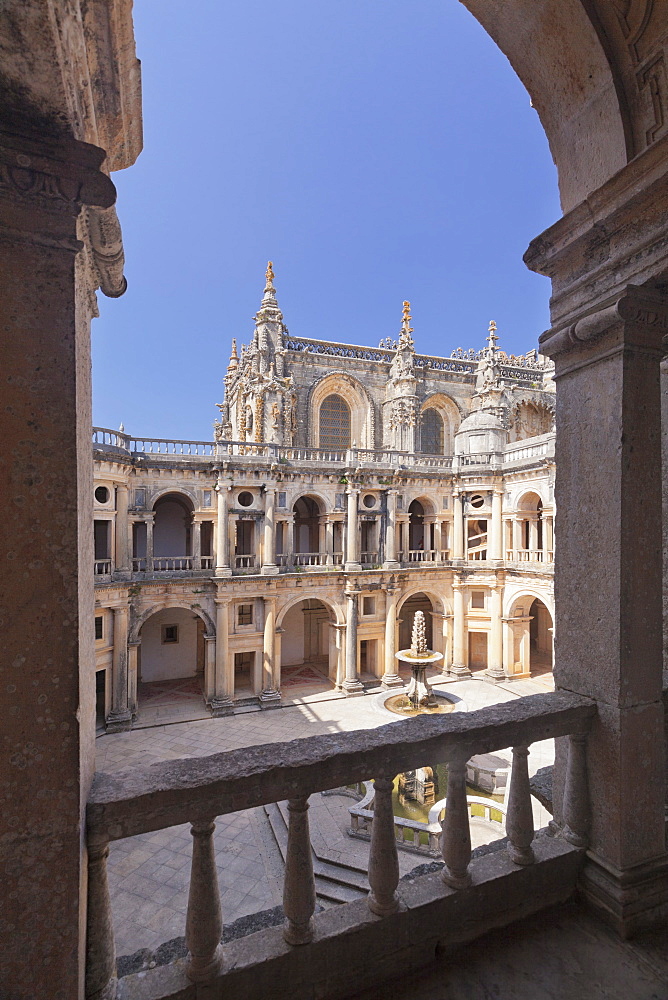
[197,790]
[102,567]
[530,555]
[421,555]
[170,564]
[248,561]
[309,558]
[369,558]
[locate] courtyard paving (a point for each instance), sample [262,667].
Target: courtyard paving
[149,874]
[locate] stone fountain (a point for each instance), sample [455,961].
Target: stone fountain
[419,698]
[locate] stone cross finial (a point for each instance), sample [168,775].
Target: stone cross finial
[419,635]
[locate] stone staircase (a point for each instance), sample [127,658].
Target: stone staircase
[335,881]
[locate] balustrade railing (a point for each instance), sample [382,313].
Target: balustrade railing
[421,555]
[445,554]
[102,567]
[248,561]
[197,790]
[171,564]
[414,835]
[530,555]
[139,564]
[206,562]
[369,558]
[309,558]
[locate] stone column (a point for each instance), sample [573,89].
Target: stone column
[548,538]
[46,290]
[209,668]
[459,651]
[351,685]
[391,676]
[533,536]
[496,538]
[329,541]
[196,544]
[518,540]
[120,718]
[352,533]
[391,534]
[457,527]
[122,547]
[495,669]
[269,696]
[222,535]
[149,542]
[269,567]
[223,695]
[133,657]
[608,597]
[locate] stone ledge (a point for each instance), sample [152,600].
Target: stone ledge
[432,917]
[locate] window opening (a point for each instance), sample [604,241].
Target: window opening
[334,423]
[431,432]
[170,633]
[245,614]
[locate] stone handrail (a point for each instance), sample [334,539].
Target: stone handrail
[535,447]
[197,790]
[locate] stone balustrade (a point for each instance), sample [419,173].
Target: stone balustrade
[197,790]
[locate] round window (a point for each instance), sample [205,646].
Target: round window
[245,498]
[369,500]
[101,494]
[477,500]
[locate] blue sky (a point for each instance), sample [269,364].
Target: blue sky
[375,151]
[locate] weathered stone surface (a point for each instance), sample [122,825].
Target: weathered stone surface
[165,794]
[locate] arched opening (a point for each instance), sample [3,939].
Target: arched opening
[170,664]
[540,639]
[432,432]
[309,652]
[172,533]
[308,528]
[529,529]
[420,535]
[529,420]
[334,423]
[416,602]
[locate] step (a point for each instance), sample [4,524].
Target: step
[332,882]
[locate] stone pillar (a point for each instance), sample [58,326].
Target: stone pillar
[269,696]
[120,718]
[352,533]
[197,544]
[495,669]
[533,537]
[457,527]
[209,668]
[122,547]
[329,542]
[149,543]
[391,676]
[459,651]
[351,685]
[391,534]
[222,535]
[608,597]
[269,567]
[496,538]
[133,657]
[518,540]
[548,538]
[223,694]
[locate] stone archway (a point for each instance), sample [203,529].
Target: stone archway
[309,649]
[528,636]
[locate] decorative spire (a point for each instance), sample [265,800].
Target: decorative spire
[234,357]
[493,337]
[419,636]
[405,339]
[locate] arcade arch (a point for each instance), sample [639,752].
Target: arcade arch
[172,526]
[529,627]
[309,646]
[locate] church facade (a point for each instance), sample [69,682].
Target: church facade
[345,488]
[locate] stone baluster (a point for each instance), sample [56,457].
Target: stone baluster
[100,947]
[519,820]
[456,835]
[299,885]
[204,921]
[577,817]
[383,858]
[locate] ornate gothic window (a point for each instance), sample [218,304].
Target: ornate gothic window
[334,423]
[431,433]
